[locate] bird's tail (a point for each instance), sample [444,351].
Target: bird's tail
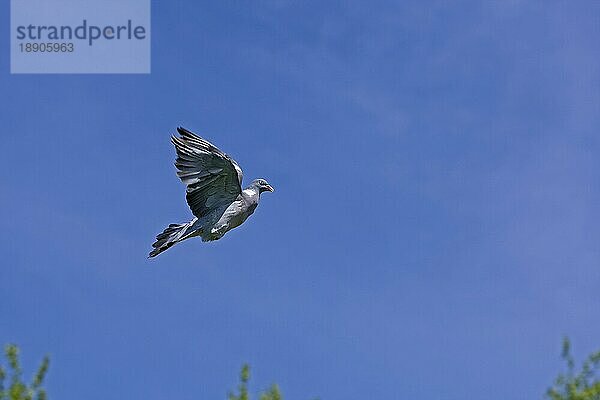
[174,233]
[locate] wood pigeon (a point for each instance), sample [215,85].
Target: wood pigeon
[214,192]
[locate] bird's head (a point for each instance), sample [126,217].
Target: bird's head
[262,185]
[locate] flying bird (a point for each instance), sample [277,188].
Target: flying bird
[213,191]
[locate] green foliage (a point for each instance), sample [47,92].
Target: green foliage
[572,385]
[17,389]
[272,394]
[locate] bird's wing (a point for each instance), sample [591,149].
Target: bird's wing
[211,176]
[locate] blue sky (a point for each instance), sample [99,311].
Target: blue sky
[433,233]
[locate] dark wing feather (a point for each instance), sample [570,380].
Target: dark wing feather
[211,176]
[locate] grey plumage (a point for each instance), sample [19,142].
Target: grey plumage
[213,192]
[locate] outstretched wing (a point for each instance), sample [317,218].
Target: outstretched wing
[212,177]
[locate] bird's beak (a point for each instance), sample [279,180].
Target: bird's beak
[270,188]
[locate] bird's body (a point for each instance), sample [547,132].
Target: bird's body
[216,224]
[213,192]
